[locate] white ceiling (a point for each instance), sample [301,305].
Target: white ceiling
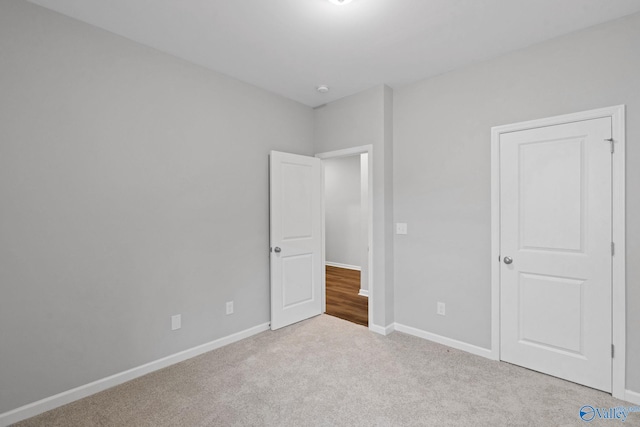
[291,46]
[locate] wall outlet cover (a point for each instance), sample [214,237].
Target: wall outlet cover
[176,322]
[401,228]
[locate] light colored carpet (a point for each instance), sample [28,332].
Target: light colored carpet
[329,372]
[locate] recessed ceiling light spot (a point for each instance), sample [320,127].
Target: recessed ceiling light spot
[323,88]
[340,2]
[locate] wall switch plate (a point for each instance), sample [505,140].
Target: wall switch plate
[401,228]
[176,322]
[441,308]
[229,307]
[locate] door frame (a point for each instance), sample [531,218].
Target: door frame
[368,149]
[618,280]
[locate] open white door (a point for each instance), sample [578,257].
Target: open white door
[296,238]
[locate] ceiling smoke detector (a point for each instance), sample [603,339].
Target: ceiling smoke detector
[323,88]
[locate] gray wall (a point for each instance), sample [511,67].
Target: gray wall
[442,170]
[133,186]
[343,210]
[366,119]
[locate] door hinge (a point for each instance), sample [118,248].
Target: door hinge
[612,350]
[613,249]
[611,142]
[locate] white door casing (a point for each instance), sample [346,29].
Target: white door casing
[557,195]
[296,238]
[555,210]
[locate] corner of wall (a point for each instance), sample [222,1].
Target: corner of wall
[389,204]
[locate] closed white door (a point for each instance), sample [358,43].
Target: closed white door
[296,238]
[555,244]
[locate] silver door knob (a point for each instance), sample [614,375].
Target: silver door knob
[508,260]
[277,250]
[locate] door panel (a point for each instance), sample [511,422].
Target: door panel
[555,213]
[296,232]
[297,280]
[555,323]
[297,192]
[552,176]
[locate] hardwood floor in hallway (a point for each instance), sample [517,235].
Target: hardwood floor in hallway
[343,300]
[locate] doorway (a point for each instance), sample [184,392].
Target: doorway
[346,237]
[558,245]
[347,218]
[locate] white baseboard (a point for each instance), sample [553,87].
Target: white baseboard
[381,329]
[449,342]
[46,404]
[364,293]
[632,396]
[339,265]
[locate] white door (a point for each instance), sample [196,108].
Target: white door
[555,245]
[296,238]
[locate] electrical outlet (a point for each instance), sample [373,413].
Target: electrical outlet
[401,228]
[441,308]
[229,307]
[176,322]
